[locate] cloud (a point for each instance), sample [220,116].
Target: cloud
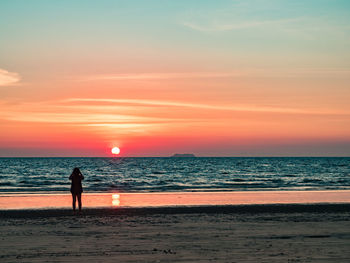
[242,73]
[82,118]
[159,76]
[142,114]
[97,118]
[8,78]
[122,117]
[247,108]
[212,27]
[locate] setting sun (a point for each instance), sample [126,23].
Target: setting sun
[115,150]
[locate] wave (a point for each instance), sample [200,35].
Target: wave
[175,174]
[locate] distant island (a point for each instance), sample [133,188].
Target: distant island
[183,155]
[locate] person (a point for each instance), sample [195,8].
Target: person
[76,187]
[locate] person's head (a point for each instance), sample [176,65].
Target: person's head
[76,171]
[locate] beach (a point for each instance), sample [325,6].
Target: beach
[187,131]
[163,235]
[276,232]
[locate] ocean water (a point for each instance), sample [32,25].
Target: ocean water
[21,175]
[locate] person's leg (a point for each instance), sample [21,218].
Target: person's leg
[74,200]
[79,201]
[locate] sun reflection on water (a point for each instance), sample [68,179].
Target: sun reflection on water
[115,199]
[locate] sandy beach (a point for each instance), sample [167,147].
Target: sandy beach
[241,233]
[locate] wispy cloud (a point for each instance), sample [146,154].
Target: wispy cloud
[216,26]
[8,78]
[77,118]
[111,118]
[94,116]
[247,108]
[242,73]
[287,17]
[160,76]
[135,114]
[100,118]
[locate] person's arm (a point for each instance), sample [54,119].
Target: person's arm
[70,177]
[82,176]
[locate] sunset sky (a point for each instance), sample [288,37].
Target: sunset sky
[213,78]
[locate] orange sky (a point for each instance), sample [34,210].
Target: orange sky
[155,80]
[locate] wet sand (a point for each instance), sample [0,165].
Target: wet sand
[108,200]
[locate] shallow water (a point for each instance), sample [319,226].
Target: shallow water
[175,174]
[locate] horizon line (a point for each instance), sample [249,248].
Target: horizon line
[228,156]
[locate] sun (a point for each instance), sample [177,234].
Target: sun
[115,150]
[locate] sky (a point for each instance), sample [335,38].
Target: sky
[154,78]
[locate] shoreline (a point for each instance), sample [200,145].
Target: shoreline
[262,190]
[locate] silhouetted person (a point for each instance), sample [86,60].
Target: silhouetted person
[76,188]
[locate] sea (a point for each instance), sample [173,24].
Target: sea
[169,174]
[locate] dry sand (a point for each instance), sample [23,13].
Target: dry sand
[253,233]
